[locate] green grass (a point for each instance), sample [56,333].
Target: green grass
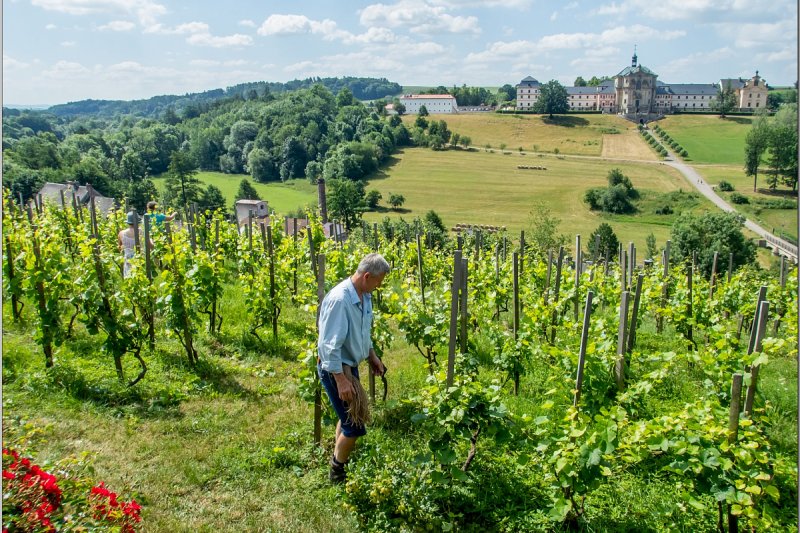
[569,134]
[708,138]
[478,187]
[282,197]
[781,220]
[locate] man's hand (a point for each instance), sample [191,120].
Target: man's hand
[346,392]
[376,364]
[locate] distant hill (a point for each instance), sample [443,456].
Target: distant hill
[187,104]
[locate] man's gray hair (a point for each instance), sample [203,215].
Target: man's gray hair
[373,263]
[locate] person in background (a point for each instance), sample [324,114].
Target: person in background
[345,324]
[158,218]
[127,243]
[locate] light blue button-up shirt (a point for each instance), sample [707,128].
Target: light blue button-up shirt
[344,327]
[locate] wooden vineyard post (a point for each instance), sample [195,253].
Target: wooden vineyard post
[148,270]
[186,338]
[320,270]
[762,295]
[587,315]
[713,275]
[763,312]
[451,354]
[419,267]
[623,269]
[548,276]
[730,266]
[271,251]
[375,234]
[463,304]
[15,309]
[41,300]
[733,434]
[606,262]
[521,252]
[596,254]
[577,274]
[689,308]
[515,260]
[664,288]
[93,214]
[635,314]
[631,263]
[619,366]
[736,401]
[294,253]
[497,277]
[312,253]
[554,320]
[780,310]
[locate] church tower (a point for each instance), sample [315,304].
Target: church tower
[636,89]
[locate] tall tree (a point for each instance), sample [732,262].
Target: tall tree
[553,98]
[725,102]
[542,231]
[247,191]
[709,233]
[756,143]
[181,181]
[608,242]
[346,200]
[783,145]
[579,82]
[211,199]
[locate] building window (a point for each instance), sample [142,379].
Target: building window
[757,104]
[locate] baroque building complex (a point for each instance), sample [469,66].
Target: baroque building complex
[636,91]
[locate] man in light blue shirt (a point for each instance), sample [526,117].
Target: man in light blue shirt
[345,323]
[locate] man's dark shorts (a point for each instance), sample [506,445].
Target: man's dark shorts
[329,382]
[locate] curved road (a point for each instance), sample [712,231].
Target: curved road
[786,248]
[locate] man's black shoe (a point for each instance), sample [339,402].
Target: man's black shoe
[337,473]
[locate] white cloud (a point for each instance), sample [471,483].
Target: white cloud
[758,35]
[50,27]
[788,53]
[694,10]
[11,64]
[510,4]
[419,17]
[65,70]
[247,23]
[371,36]
[118,25]
[680,68]
[554,16]
[292,24]
[206,39]
[180,29]
[67,44]
[146,11]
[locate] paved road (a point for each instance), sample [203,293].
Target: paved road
[697,182]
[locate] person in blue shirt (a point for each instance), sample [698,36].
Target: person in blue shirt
[158,218]
[345,323]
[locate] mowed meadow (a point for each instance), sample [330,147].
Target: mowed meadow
[480,187]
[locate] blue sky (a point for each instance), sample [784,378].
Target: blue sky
[56,51]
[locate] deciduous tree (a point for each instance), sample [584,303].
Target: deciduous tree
[553,99]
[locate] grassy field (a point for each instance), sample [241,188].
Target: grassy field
[282,197]
[479,187]
[570,134]
[758,210]
[708,138]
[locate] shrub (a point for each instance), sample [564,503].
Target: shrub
[684,153]
[666,210]
[725,186]
[738,198]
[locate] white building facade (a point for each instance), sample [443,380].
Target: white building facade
[636,90]
[434,103]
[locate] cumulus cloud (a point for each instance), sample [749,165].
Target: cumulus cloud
[292,24]
[247,23]
[206,39]
[11,64]
[50,27]
[146,11]
[419,17]
[118,25]
[694,10]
